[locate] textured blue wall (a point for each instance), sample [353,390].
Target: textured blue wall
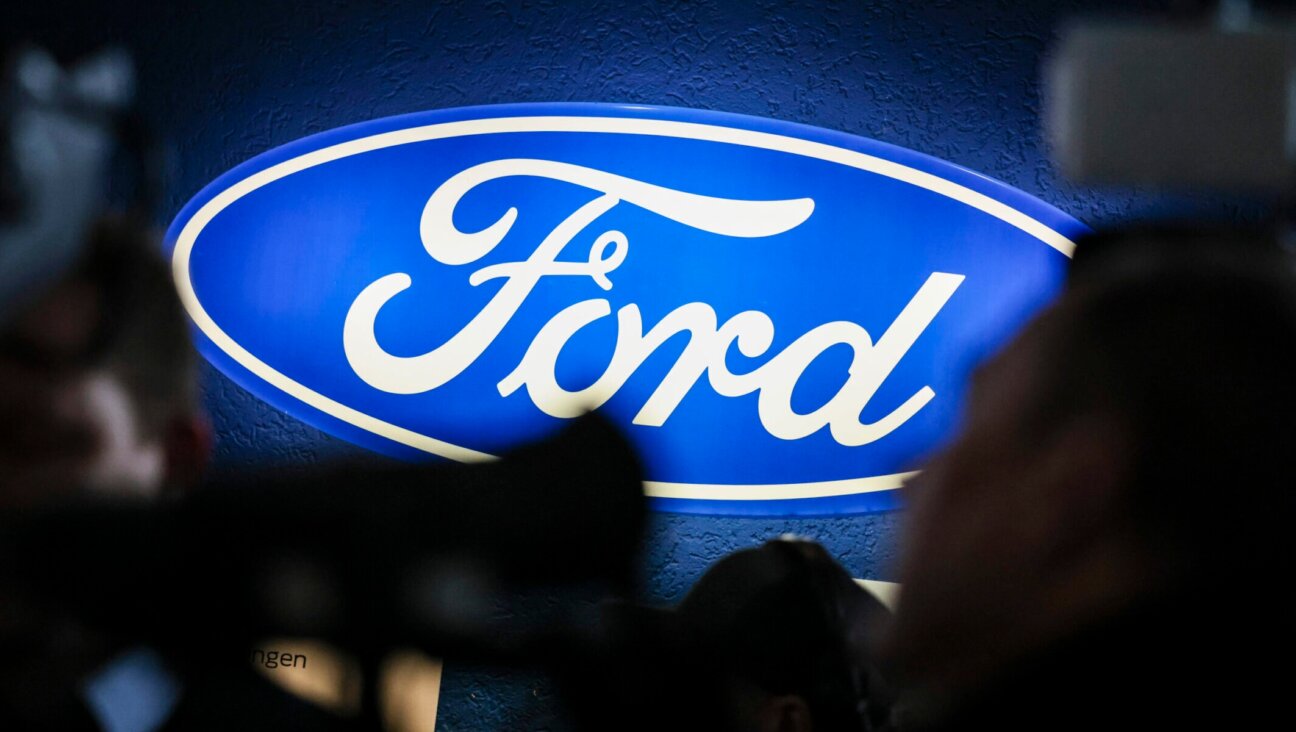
[227,80]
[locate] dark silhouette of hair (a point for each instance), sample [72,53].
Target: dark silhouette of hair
[788,618]
[1190,337]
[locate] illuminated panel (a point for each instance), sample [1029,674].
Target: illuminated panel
[781,317]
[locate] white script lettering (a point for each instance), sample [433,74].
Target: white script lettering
[751,332]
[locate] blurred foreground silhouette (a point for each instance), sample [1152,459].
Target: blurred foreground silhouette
[1107,542]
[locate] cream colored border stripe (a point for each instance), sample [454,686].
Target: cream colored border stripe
[662,128]
[774,492]
[888,593]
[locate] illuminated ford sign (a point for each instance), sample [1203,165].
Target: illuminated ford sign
[781,317]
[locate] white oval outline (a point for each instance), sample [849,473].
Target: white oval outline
[614,125]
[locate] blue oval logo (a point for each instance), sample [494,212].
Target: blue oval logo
[782,317]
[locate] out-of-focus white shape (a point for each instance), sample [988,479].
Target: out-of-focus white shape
[1174,106]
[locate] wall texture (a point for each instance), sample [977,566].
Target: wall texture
[225,80]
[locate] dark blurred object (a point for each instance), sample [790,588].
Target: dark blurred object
[1176,105]
[1105,545]
[368,558]
[774,637]
[62,132]
[1151,244]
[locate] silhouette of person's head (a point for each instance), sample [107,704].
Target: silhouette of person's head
[771,638]
[1130,448]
